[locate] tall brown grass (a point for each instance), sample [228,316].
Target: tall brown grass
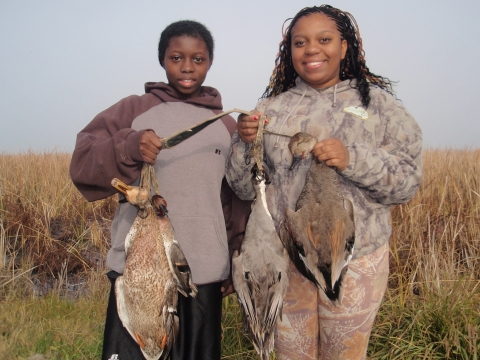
[431,310]
[46,224]
[436,237]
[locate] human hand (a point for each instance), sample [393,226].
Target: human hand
[227,287]
[150,145]
[333,152]
[247,126]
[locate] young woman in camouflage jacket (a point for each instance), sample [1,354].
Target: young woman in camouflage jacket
[322,86]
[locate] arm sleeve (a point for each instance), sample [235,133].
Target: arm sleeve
[238,169]
[392,173]
[105,149]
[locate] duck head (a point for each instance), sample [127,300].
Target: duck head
[135,195]
[301,145]
[259,175]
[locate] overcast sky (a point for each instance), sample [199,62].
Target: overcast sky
[62,62]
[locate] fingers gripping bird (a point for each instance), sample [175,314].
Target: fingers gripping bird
[155,269]
[319,235]
[260,270]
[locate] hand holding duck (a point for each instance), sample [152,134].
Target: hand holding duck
[333,152]
[247,126]
[150,146]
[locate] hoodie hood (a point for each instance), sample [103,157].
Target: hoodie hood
[301,87]
[209,97]
[304,90]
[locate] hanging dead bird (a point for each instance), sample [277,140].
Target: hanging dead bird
[155,268]
[260,270]
[320,234]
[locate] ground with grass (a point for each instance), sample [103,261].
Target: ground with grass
[53,291]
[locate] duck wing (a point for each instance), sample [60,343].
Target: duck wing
[295,253]
[176,258]
[180,269]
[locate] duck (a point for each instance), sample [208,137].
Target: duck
[155,271]
[260,269]
[320,234]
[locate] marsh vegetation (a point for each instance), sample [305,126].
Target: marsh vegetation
[53,291]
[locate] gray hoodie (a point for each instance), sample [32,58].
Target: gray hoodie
[203,209]
[384,143]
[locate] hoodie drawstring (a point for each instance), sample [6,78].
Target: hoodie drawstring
[290,113]
[334,96]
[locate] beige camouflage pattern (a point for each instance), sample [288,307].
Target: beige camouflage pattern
[385,154]
[385,168]
[311,326]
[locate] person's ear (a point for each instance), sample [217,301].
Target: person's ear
[344,48]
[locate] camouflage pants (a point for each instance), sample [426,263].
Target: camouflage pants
[312,327]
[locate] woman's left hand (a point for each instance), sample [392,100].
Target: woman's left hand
[333,152]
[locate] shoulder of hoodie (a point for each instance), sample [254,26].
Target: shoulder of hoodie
[386,103]
[142,103]
[380,99]
[215,107]
[139,104]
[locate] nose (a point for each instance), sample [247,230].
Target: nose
[312,48]
[187,66]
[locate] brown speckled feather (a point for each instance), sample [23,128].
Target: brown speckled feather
[147,291]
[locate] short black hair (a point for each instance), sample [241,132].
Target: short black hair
[184,28]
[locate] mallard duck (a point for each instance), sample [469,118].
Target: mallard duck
[155,268]
[260,270]
[320,234]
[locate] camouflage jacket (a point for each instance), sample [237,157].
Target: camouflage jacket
[384,142]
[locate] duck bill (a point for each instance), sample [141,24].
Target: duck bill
[160,205]
[295,161]
[121,186]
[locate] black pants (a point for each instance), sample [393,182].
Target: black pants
[199,337]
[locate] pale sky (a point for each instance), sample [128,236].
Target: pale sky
[62,62]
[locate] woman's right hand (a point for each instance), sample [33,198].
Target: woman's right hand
[247,126]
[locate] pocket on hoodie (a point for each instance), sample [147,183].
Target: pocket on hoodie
[203,242]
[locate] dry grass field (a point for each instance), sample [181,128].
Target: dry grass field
[53,291]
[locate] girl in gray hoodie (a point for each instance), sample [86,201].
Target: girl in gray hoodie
[322,86]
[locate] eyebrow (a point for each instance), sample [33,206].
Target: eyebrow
[182,52]
[321,32]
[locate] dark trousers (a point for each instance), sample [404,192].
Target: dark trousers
[199,336]
[200,332]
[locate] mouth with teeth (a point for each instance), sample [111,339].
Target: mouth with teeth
[314,64]
[186,82]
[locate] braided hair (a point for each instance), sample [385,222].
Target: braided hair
[184,28]
[353,66]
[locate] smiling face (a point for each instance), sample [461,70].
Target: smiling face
[317,49]
[186,63]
